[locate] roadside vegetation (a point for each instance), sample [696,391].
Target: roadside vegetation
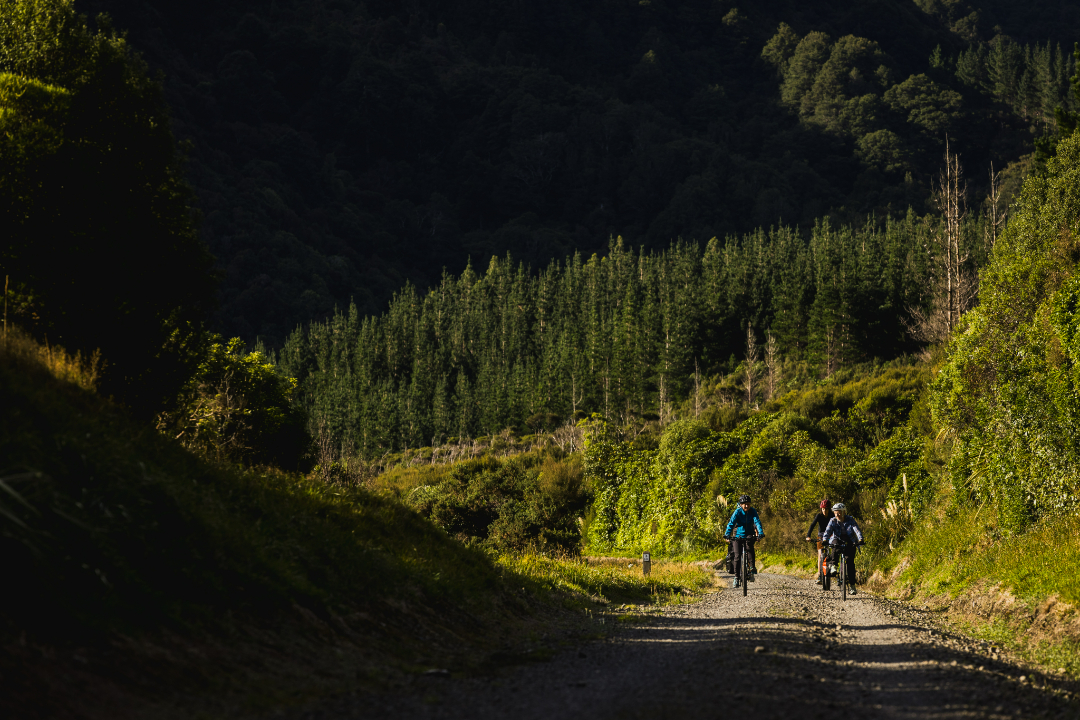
[164,487]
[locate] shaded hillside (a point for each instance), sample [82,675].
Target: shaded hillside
[340,148]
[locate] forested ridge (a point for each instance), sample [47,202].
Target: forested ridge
[631,333]
[339,149]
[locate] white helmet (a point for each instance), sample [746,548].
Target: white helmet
[839,506]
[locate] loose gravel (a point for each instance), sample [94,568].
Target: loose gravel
[786,650]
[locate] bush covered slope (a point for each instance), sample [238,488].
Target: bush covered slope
[109,525]
[1010,390]
[859,439]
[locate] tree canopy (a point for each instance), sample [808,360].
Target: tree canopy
[97,233]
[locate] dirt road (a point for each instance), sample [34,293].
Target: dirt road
[787,650]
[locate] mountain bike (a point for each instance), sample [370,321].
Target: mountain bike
[744,560]
[822,564]
[842,551]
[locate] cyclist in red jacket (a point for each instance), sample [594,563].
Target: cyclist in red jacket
[817,529]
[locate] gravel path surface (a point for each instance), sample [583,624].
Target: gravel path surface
[787,650]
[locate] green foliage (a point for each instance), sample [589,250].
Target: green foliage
[90,164]
[508,506]
[849,440]
[236,407]
[1009,391]
[580,580]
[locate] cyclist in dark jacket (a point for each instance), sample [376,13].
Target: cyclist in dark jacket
[817,529]
[747,525]
[843,528]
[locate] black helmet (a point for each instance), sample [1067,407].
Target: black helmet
[744,499]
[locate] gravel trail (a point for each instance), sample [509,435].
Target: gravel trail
[787,650]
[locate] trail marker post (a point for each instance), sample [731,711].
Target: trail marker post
[646,563]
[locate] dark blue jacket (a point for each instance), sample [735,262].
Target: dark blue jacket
[745,522]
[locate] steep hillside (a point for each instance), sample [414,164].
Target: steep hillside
[122,549]
[340,148]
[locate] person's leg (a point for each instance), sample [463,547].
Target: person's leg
[736,547]
[851,569]
[753,558]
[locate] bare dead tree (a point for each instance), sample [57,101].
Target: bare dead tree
[950,199]
[663,402]
[575,396]
[750,375]
[954,288]
[997,214]
[772,366]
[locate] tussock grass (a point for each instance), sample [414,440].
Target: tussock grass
[107,524]
[75,369]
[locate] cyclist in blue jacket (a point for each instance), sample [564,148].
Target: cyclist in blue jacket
[843,528]
[747,526]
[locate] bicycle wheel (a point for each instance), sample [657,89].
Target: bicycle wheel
[842,570]
[742,569]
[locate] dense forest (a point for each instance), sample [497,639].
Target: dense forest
[628,334]
[339,149]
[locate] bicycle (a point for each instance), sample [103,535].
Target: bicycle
[744,561]
[822,564]
[841,569]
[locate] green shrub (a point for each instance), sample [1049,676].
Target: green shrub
[513,505]
[236,407]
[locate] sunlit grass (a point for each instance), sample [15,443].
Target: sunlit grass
[965,548]
[789,560]
[75,369]
[964,553]
[581,583]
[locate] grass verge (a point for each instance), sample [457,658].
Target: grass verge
[583,584]
[1021,591]
[788,562]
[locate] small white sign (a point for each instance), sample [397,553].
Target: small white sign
[645,557]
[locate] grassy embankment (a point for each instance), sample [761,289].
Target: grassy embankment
[141,578]
[1020,591]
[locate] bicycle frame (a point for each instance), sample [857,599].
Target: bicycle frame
[842,551]
[744,560]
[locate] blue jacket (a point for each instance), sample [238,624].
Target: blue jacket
[742,520]
[836,531]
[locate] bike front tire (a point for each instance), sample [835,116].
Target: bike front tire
[742,569]
[843,577]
